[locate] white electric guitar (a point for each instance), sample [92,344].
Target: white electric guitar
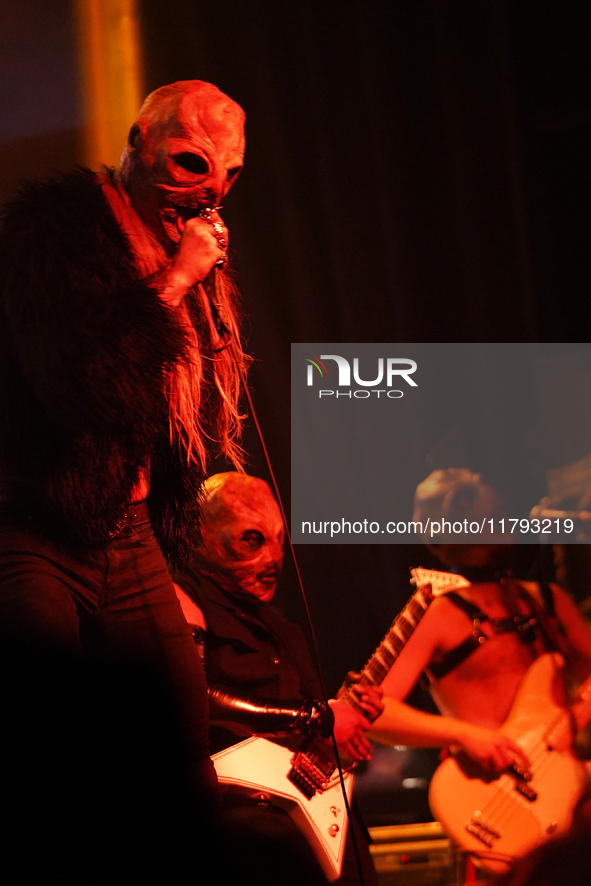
[500,818]
[305,780]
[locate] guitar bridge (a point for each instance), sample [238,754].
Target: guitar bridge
[482,831]
[310,772]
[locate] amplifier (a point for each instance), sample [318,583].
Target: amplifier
[414,855]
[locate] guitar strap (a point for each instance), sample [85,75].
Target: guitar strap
[541,617]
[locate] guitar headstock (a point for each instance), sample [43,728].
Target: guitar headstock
[438,582]
[428,584]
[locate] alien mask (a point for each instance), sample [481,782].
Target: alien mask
[242,534]
[184,152]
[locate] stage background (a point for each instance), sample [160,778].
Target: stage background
[414,172]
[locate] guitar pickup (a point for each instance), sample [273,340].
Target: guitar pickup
[526,791]
[521,772]
[316,758]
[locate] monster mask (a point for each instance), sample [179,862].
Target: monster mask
[184,152]
[242,535]
[457,496]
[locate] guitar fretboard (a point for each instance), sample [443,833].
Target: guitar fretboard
[393,643]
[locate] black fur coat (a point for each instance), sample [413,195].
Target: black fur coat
[84,348]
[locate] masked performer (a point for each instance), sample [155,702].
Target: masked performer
[118,366]
[477,642]
[261,680]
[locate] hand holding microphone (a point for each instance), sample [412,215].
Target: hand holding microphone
[204,240]
[203,245]
[220,232]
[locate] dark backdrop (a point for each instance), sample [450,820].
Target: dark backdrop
[414,172]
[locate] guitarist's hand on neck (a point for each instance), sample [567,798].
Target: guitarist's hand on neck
[368,696]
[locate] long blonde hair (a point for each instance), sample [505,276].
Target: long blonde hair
[215,358]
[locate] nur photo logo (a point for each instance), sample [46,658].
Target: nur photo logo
[389,370]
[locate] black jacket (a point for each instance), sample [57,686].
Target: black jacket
[254,653]
[85,345]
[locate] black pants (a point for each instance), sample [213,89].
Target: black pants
[117,602]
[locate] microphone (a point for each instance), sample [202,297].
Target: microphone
[206,214]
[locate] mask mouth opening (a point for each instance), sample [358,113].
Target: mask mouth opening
[269,575]
[184,213]
[178,215]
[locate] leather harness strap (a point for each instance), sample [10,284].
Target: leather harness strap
[525,625]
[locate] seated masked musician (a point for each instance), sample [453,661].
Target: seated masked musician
[476,643]
[261,680]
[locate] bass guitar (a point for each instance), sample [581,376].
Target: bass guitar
[305,780]
[500,818]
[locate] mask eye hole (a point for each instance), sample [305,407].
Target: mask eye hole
[194,163]
[253,539]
